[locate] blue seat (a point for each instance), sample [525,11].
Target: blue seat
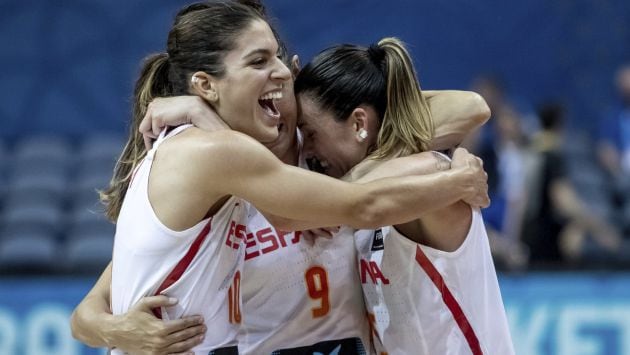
[43,146]
[85,190]
[28,252]
[84,221]
[43,218]
[41,155]
[88,253]
[101,147]
[37,187]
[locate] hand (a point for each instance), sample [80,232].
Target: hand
[477,179]
[175,111]
[326,232]
[139,332]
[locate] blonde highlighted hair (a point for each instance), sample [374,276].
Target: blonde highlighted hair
[407,125]
[343,77]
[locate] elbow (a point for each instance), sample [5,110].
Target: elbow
[74,326]
[480,108]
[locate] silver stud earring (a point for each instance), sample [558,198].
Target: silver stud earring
[362,134]
[194,79]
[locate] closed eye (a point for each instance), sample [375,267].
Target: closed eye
[259,62]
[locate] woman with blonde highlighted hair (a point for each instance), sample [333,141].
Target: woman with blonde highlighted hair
[275,260]
[429,285]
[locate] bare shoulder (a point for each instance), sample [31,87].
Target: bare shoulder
[207,147]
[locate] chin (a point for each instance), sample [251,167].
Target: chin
[268,135]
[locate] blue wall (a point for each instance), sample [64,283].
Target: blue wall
[549,314]
[68,65]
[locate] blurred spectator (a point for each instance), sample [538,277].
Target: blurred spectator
[558,225]
[491,88]
[503,157]
[614,145]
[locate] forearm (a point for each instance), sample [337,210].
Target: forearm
[93,315]
[455,114]
[251,172]
[411,197]
[391,200]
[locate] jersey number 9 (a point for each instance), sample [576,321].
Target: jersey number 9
[317,286]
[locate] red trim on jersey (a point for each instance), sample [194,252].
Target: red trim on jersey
[450,301]
[183,264]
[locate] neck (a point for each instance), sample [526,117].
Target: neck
[290,155]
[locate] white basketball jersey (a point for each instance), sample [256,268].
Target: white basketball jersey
[425,301]
[300,297]
[200,266]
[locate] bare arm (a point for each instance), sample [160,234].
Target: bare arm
[567,202]
[442,229]
[455,114]
[178,110]
[138,331]
[234,164]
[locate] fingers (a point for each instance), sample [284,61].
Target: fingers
[178,325]
[326,232]
[148,142]
[309,237]
[197,331]
[145,125]
[148,303]
[146,128]
[321,232]
[157,125]
[331,230]
[185,340]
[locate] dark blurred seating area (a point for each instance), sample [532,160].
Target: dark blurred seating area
[50,218]
[557,149]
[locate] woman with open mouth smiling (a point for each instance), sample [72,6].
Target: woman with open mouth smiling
[296,297]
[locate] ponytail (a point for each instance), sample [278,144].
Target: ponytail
[407,125]
[153,82]
[341,78]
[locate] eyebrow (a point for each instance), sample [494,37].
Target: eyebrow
[258,51]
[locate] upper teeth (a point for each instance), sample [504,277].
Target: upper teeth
[323,163]
[272,95]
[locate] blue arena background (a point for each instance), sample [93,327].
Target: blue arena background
[67,68]
[549,314]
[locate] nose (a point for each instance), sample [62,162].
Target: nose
[280,73]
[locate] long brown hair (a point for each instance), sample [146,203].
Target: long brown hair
[199,39]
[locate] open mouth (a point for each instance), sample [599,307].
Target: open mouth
[268,103]
[317,165]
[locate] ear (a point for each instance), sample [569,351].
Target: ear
[359,119]
[204,85]
[295,65]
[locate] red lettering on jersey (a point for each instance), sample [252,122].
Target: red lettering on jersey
[371,268]
[266,235]
[236,232]
[251,243]
[228,242]
[265,241]
[296,237]
[239,233]
[281,235]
